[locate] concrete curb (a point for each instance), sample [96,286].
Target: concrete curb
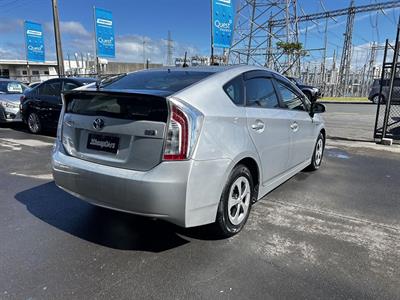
[330,143]
[341,102]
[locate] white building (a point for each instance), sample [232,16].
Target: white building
[32,72]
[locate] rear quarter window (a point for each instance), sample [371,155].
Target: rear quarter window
[235,90]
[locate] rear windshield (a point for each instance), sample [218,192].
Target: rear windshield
[85,81]
[165,80]
[131,107]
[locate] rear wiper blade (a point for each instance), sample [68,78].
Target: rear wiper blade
[108,80]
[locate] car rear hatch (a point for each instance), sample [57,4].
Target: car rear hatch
[119,129]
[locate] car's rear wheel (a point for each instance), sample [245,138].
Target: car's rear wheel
[375,99]
[235,204]
[318,154]
[34,124]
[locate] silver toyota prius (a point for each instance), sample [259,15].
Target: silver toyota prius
[192,146]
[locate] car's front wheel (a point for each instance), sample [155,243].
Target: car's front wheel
[319,149]
[34,124]
[235,204]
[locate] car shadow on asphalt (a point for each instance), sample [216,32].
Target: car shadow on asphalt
[113,229]
[21,127]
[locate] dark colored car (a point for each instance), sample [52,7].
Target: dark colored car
[312,93]
[374,93]
[41,106]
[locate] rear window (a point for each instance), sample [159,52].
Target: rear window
[85,81]
[131,107]
[12,87]
[164,80]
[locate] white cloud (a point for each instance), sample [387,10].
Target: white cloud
[69,28]
[77,39]
[8,26]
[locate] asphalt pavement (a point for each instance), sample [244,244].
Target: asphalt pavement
[334,233]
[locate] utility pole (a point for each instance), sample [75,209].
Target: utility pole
[170,48]
[57,35]
[324,58]
[144,53]
[211,35]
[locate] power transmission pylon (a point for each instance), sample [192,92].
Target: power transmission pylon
[254,39]
[345,61]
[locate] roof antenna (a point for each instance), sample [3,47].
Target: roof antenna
[185,65]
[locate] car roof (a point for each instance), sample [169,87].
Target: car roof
[209,69]
[82,79]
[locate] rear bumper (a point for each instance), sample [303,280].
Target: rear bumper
[178,192]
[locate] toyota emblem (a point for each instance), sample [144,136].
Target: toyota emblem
[98,124]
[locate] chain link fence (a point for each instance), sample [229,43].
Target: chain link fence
[387,123]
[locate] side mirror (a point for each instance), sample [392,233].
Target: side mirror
[313,99]
[316,108]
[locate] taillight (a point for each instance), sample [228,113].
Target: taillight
[183,130]
[61,119]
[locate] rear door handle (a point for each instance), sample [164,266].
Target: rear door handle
[258,126]
[294,126]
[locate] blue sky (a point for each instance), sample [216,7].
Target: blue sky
[188,20]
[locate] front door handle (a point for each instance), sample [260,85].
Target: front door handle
[294,126]
[258,126]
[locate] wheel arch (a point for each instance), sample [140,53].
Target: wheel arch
[323,131]
[253,164]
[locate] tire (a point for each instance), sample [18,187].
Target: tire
[233,213]
[34,123]
[375,99]
[318,153]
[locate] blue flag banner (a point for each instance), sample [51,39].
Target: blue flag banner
[34,42]
[222,23]
[105,41]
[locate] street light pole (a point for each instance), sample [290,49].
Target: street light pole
[57,36]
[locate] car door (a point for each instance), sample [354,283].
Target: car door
[50,98]
[267,124]
[302,128]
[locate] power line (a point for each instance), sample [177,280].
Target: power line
[340,12]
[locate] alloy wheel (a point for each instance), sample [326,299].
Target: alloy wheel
[239,200]
[319,151]
[33,123]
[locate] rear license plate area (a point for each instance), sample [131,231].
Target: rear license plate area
[103,143]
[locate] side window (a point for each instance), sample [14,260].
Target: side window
[290,99]
[50,89]
[260,92]
[69,86]
[234,89]
[42,89]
